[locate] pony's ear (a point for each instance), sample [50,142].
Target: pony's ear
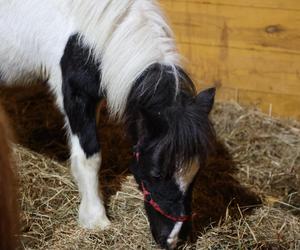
[205,99]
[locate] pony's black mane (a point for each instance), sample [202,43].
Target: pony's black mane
[167,120]
[190,137]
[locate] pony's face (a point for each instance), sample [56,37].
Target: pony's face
[167,201]
[167,160]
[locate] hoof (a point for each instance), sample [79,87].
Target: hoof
[93,218]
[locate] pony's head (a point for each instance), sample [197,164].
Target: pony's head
[173,137]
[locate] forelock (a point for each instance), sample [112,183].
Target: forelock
[190,135]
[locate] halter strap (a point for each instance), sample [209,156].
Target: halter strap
[136,151]
[148,197]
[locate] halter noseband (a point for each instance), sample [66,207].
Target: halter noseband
[148,197]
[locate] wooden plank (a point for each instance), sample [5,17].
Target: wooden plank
[249,48]
[227,94]
[243,69]
[273,104]
[224,93]
[273,4]
[269,103]
[235,26]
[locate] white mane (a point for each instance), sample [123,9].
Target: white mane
[127,36]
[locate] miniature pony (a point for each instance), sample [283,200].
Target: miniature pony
[123,51]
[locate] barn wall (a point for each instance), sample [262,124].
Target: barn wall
[249,48]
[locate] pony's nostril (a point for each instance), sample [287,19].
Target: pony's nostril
[162,241]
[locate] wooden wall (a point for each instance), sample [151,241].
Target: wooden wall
[249,48]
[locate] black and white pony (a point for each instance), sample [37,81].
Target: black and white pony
[121,50]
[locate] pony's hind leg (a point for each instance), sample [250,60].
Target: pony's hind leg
[80,89]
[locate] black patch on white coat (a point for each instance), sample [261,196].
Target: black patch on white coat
[168,129]
[173,129]
[81,82]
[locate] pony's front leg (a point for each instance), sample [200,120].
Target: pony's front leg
[85,169]
[80,79]
[85,159]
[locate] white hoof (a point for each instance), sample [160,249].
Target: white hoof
[93,217]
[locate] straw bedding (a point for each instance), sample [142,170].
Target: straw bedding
[247,197]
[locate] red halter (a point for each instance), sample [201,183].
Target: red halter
[148,199]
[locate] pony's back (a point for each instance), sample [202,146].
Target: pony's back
[124,37]
[8,209]
[33,35]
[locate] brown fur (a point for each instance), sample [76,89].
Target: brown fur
[8,207]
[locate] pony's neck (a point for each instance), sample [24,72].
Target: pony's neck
[126,37]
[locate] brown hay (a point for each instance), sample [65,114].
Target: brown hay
[50,200]
[264,155]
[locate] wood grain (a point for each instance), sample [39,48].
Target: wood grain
[272,104]
[243,69]
[234,26]
[249,48]
[272,4]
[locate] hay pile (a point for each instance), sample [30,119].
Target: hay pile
[246,198]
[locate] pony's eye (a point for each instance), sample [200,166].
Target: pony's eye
[155,174]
